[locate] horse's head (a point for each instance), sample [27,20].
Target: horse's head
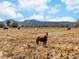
[47,34]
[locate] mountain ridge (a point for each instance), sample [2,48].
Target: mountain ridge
[45,23]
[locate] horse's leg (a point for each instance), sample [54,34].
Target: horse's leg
[37,41]
[45,43]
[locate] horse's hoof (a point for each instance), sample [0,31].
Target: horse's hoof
[46,46]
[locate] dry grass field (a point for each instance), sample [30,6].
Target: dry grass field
[21,44]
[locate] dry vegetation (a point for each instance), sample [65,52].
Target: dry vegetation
[20,44]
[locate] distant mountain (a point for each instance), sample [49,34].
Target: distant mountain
[45,23]
[42,23]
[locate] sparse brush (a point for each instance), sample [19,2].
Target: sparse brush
[18,27]
[5,28]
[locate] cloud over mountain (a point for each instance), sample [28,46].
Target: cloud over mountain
[43,10]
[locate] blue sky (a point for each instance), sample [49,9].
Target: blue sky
[41,10]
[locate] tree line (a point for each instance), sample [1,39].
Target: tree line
[9,23]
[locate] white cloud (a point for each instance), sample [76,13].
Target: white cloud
[54,10]
[65,18]
[36,5]
[19,15]
[2,19]
[23,19]
[9,9]
[37,17]
[54,19]
[72,4]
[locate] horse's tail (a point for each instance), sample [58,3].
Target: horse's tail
[37,40]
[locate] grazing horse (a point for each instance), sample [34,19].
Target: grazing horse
[42,39]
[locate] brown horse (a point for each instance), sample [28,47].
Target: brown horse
[42,39]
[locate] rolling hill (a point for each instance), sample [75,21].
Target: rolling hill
[45,23]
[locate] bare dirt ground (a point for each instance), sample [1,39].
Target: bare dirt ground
[20,44]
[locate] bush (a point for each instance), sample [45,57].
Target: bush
[77,23]
[8,22]
[12,23]
[5,27]
[69,28]
[65,25]
[1,25]
[18,27]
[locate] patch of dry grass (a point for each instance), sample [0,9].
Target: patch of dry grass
[20,44]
